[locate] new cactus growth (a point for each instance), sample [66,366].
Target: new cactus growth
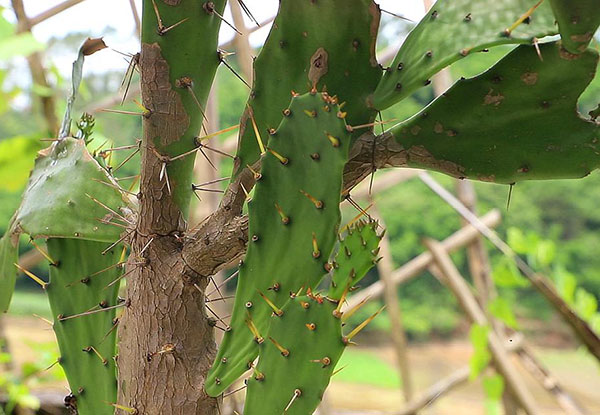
[355,257]
[294,219]
[83,298]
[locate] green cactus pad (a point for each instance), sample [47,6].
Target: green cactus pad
[9,250]
[517,121]
[452,30]
[86,343]
[296,203]
[312,336]
[326,44]
[356,256]
[577,22]
[56,201]
[187,54]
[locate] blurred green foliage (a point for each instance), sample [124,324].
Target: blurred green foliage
[17,385]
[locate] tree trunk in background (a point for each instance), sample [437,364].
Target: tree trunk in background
[38,73]
[243,49]
[392,302]
[166,341]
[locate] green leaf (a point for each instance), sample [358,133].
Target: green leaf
[23,44]
[506,274]
[502,310]
[517,121]
[493,387]
[545,253]
[17,156]
[520,243]
[586,304]
[452,30]
[566,284]
[42,91]
[481,356]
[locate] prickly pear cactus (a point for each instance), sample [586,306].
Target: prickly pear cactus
[294,219]
[517,121]
[68,196]
[577,22]
[307,339]
[72,202]
[454,29]
[59,198]
[8,272]
[328,45]
[356,256]
[297,360]
[83,304]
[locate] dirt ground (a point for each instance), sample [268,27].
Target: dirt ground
[578,373]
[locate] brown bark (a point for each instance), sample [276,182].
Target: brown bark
[166,342]
[243,49]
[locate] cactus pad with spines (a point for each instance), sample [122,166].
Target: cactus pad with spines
[312,336]
[577,21]
[356,256]
[305,343]
[294,220]
[57,201]
[452,30]
[87,342]
[517,121]
[326,44]
[8,272]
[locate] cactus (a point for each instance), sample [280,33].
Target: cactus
[577,22]
[307,47]
[298,360]
[9,253]
[514,122]
[294,218]
[307,340]
[355,257]
[517,121]
[455,29]
[59,199]
[83,299]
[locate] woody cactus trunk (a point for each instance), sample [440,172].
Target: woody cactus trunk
[306,139]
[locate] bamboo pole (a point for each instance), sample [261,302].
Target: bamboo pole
[446,385]
[243,49]
[385,268]
[581,328]
[473,310]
